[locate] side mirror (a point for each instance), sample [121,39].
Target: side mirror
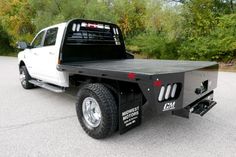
[22,45]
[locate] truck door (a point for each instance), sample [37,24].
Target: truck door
[48,57]
[33,55]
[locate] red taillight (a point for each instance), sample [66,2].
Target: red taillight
[157,83]
[131,76]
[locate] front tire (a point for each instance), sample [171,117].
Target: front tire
[24,78]
[97,110]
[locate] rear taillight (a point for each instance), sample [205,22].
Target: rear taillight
[169,92]
[161,94]
[174,89]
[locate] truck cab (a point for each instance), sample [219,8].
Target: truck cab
[41,56]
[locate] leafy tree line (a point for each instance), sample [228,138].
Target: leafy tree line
[165,29]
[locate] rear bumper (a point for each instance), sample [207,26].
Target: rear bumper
[191,86]
[200,106]
[194,94]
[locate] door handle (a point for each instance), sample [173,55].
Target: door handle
[35,53]
[51,53]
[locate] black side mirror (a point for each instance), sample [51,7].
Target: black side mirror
[22,45]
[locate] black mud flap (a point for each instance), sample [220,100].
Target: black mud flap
[130,111]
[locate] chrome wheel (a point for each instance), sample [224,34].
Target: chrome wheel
[23,77]
[91,112]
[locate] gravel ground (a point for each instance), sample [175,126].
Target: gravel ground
[40,123]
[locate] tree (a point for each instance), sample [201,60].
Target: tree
[199,17]
[4,41]
[16,19]
[130,16]
[57,11]
[159,40]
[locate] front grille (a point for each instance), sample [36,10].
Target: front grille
[169,92]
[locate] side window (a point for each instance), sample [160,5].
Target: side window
[38,40]
[51,37]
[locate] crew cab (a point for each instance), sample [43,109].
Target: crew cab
[112,86]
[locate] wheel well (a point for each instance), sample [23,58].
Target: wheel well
[21,64]
[114,86]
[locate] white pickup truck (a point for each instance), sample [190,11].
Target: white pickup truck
[113,86]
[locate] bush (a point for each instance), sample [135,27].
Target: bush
[154,45]
[5,47]
[219,44]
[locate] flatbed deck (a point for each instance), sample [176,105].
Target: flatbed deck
[140,66]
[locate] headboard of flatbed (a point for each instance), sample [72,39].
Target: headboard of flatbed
[86,40]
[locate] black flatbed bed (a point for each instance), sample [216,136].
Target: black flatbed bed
[140,66]
[143,68]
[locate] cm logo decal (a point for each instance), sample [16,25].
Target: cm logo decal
[169,106]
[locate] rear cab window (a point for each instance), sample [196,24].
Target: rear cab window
[51,37]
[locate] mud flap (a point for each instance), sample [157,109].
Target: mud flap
[130,110]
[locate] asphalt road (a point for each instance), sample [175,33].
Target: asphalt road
[40,123]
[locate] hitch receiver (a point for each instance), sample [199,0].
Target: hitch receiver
[201,107]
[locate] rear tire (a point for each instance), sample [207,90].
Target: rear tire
[100,96]
[24,78]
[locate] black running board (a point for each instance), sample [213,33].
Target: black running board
[47,86]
